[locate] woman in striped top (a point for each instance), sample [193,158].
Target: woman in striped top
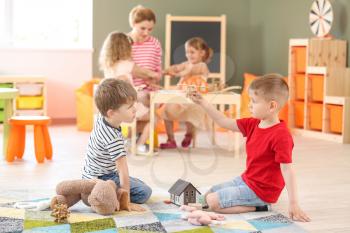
[146,53]
[146,49]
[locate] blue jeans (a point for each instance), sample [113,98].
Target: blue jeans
[139,191]
[236,193]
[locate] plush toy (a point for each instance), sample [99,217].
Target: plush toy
[103,196]
[200,217]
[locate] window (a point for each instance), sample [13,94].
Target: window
[46,23]
[192,193]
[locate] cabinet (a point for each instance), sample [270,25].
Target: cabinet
[31,99]
[319,86]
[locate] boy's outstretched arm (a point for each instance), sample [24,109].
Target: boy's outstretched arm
[217,116]
[295,212]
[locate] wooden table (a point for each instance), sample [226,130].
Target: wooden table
[231,99]
[7,94]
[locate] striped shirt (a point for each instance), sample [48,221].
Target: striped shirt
[147,54]
[106,145]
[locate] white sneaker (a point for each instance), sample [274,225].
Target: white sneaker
[142,148]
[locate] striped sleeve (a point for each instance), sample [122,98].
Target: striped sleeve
[159,54]
[147,55]
[116,149]
[106,145]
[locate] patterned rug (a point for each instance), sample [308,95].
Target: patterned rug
[159,217]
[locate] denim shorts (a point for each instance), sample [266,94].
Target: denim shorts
[236,193]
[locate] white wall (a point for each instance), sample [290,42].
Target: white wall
[65,70]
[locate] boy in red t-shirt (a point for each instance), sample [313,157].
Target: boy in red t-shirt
[269,148]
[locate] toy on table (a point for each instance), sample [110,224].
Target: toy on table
[194,83]
[200,217]
[183,193]
[103,196]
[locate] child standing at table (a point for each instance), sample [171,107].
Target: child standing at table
[195,68]
[116,62]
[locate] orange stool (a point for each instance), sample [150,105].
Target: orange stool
[42,142]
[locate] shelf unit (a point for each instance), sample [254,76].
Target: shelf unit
[319,89]
[32,96]
[298,60]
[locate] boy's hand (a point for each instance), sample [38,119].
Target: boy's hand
[296,214]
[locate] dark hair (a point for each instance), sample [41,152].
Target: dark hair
[271,87]
[112,93]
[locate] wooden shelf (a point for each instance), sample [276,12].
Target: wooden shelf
[27,79]
[337,100]
[326,89]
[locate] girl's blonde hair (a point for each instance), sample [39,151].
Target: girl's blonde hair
[116,47]
[139,14]
[200,44]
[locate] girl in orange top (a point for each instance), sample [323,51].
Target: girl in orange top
[194,71]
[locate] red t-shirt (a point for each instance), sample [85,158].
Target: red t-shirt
[266,149]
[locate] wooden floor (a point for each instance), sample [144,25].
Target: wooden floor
[322,168]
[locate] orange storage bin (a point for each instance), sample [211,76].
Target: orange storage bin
[300,86]
[316,82]
[299,58]
[335,118]
[315,116]
[299,114]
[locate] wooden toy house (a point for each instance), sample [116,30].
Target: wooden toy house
[183,192]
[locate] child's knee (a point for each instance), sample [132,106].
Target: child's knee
[141,195]
[212,200]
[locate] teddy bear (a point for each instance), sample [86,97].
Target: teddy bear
[102,196]
[200,217]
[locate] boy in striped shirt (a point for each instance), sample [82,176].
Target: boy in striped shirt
[106,154]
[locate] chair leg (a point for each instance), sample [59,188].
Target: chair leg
[39,143]
[133,137]
[194,137]
[12,144]
[47,143]
[21,141]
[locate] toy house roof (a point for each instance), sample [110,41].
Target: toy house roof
[180,186]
